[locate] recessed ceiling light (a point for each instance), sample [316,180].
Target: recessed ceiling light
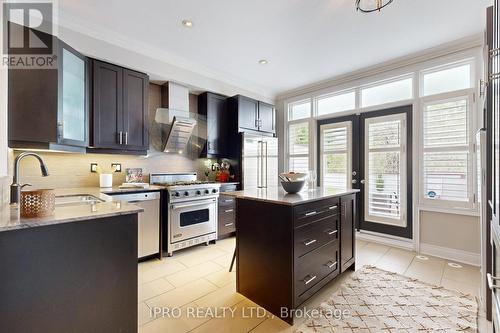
[187,23]
[422,257]
[454,265]
[263,61]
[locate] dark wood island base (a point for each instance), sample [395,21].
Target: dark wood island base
[288,250]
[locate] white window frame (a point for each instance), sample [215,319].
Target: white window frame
[435,69]
[316,100]
[403,170]
[310,122]
[347,124]
[469,95]
[384,82]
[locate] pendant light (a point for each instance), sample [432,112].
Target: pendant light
[368,6]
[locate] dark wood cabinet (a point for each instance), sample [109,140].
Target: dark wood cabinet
[218,133]
[266,118]
[49,108]
[285,254]
[120,109]
[253,115]
[347,233]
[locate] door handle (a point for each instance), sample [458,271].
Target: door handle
[354,181]
[126,138]
[363,181]
[308,279]
[120,137]
[491,284]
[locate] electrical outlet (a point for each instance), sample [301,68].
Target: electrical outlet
[117,166]
[93,167]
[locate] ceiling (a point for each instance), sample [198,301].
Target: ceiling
[305,41]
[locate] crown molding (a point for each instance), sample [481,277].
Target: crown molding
[456,46]
[116,39]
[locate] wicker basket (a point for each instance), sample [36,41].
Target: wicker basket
[37,203]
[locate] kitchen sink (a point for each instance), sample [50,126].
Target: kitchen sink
[76,200]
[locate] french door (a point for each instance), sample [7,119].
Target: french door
[371,152]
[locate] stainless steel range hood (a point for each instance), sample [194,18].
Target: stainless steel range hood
[175,112]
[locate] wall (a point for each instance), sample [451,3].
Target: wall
[73,170]
[451,236]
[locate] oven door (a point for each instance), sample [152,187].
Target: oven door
[192,219]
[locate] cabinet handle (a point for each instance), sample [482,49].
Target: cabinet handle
[120,137]
[126,138]
[331,232]
[311,213]
[228,210]
[332,207]
[331,264]
[309,242]
[308,279]
[256,122]
[228,224]
[228,200]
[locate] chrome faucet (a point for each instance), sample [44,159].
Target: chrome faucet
[15,187]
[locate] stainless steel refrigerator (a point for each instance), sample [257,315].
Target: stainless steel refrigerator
[260,161]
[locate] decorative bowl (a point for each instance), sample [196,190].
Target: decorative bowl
[294,176]
[293,187]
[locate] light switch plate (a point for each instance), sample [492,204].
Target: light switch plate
[93,167]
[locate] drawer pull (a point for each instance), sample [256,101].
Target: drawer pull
[311,213]
[308,279]
[228,210]
[331,232]
[228,224]
[331,264]
[228,200]
[491,284]
[333,207]
[309,242]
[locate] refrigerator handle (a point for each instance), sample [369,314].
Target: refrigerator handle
[258,164]
[262,156]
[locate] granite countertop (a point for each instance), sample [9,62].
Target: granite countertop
[10,219]
[278,195]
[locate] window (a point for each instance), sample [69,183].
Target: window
[336,103]
[447,155]
[336,151]
[299,110]
[388,92]
[298,146]
[448,79]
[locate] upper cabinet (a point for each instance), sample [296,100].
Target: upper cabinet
[253,115]
[49,108]
[214,108]
[120,109]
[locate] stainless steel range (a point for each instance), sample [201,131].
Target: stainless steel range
[192,209]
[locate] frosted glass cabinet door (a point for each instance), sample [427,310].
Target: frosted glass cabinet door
[73,98]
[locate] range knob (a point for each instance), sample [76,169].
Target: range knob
[186,193]
[214,190]
[207,191]
[177,194]
[198,192]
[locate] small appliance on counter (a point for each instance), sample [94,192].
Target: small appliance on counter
[192,210]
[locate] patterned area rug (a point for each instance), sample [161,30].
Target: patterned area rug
[374,300]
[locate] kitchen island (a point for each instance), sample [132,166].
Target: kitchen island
[75,271]
[291,245]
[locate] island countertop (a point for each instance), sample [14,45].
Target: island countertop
[10,218]
[279,196]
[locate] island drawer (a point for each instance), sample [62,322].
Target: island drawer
[314,266]
[316,234]
[311,212]
[227,215]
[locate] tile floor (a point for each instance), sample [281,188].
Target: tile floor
[198,278]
